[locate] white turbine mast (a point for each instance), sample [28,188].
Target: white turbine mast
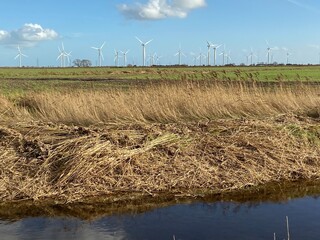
[224,55]
[100,54]
[116,58]
[125,57]
[251,56]
[158,59]
[214,47]
[152,58]
[179,54]
[144,44]
[195,57]
[63,55]
[269,52]
[200,57]
[20,55]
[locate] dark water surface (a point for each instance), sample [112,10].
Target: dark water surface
[227,219]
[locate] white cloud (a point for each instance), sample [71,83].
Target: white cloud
[28,35]
[160,9]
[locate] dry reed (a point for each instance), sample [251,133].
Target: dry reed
[188,139]
[186,101]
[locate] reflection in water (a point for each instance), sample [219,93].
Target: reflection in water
[220,220]
[224,219]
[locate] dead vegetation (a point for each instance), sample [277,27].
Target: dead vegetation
[42,161]
[184,139]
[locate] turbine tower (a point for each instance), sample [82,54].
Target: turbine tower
[116,58]
[251,55]
[215,47]
[269,52]
[209,45]
[125,57]
[200,57]
[63,55]
[144,44]
[100,55]
[20,55]
[180,53]
[223,54]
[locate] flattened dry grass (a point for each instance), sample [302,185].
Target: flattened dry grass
[72,163]
[185,139]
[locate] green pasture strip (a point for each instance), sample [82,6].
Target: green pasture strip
[262,73]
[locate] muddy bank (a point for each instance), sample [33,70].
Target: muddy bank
[41,161]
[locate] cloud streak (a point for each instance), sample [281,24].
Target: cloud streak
[304,6]
[160,9]
[28,35]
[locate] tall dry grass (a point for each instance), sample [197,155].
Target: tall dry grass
[48,160]
[185,101]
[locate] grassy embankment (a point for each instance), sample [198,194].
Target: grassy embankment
[188,137]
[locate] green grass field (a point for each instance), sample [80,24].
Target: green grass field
[17,81]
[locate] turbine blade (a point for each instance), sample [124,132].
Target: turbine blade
[148,42]
[102,45]
[139,40]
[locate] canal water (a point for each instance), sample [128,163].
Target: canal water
[235,218]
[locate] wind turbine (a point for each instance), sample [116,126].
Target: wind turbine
[269,52]
[144,44]
[228,56]
[63,55]
[223,54]
[179,53]
[200,56]
[116,58]
[20,55]
[151,58]
[251,55]
[100,55]
[215,47]
[125,57]
[195,57]
[158,59]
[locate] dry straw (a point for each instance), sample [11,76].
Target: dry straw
[185,139]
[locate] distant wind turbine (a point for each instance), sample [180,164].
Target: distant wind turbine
[180,53]
[63,55]
[224,55]
[100,55]
[251,55]
[215,47]
[143,44]
[116,58]
[195,57]
[269,52]
[125,57]
[200,57]
[20,55]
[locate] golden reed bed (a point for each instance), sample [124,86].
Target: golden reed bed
[184,139]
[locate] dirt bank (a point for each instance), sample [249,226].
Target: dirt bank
[68,163]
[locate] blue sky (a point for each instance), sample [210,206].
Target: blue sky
[39,27]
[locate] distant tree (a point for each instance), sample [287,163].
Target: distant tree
[86,63]
[82,63]
[77,62]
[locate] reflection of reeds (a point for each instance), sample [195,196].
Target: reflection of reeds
[186,101]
